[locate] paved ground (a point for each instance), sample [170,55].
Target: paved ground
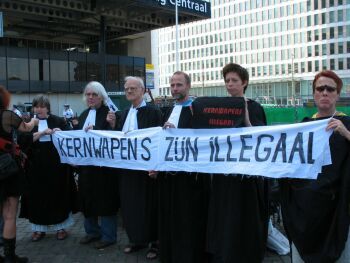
[70,251]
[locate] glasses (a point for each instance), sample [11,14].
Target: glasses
[325,87]
[93,94]
[131,89]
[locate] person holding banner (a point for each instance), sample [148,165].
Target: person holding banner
[183,196]
[50,199]
[11,187]
[238,208]
[316,212]
[97,186]
[138,191]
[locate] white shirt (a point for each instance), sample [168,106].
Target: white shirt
[131,120]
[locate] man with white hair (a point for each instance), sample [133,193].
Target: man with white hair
[138,191]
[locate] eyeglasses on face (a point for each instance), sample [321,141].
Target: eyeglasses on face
[325,87]
[130,89]
[93,94]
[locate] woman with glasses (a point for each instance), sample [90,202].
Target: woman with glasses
[97,186]
[316,212]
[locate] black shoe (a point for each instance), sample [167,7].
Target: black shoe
[88,239]
[103,244]
[15,259]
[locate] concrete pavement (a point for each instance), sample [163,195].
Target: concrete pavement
[51,250]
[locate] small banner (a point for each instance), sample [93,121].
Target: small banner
[218,112]
[294,151]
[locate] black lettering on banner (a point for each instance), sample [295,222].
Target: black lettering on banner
[193,149]
[77,146]
[309,148]
[281,147]
[114,141]
[266,149]
[212,149]
[245,147]
[229,158]
[148,156]
[105,148]
[60,146]
[181,148]
[123,148]
[97,151]
[132,148]
[87,147]
[69,147]
[297,147]
[217,149]
[167,158]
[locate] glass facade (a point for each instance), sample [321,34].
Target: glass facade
[282,43]
[32,70]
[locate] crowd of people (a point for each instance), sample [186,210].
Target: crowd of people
[180,217]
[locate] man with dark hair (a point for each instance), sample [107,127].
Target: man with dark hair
[183,197]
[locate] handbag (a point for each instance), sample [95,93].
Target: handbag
[8,166]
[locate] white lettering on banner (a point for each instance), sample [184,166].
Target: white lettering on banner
[295,150]
[187,4]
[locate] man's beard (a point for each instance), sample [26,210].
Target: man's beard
[179,96]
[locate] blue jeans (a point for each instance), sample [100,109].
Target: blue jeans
[107,229]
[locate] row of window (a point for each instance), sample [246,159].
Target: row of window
[277,70]
[39,70]
[218,56]
[265,41]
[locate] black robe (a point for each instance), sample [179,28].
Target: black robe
[98,186]
[238,212]
[316,212]
[51,191]
[183,209]
[13,185]
[138,192]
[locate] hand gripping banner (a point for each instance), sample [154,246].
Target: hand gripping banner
[294,150]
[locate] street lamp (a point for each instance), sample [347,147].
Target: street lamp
[294,91]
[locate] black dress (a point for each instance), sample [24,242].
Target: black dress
[138,192]
[238,212]
[183,209]
[14,185]
[98,186]
[316,212]
[51,191]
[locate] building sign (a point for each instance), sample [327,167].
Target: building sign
[149,76]
[1,26]
[197,7]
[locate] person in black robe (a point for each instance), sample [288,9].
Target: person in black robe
[50,198]
[183,197]
[138,191]
[238,207]
[12,186]
[98,193]
[316,212]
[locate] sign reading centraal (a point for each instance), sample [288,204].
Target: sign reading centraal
[193,6]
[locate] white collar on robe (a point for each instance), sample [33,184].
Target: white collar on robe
[42,126]
[130,123]
[90,119]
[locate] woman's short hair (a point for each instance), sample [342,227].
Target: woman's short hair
[138,79]
[236,68]
[328,74]
[41,100]
[5,98]
[98,88]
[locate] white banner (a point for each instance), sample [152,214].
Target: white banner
[294,150]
